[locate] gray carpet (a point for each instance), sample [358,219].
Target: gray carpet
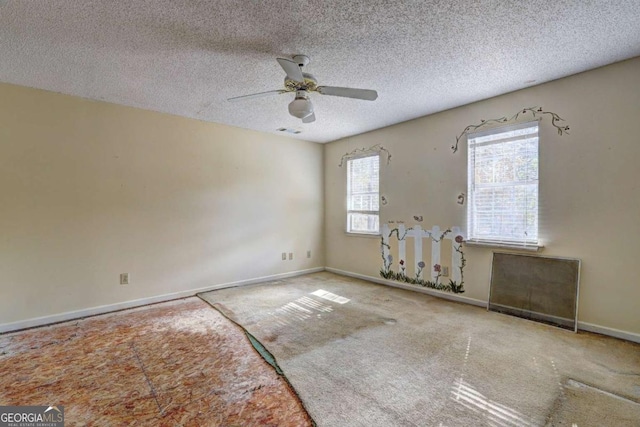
[583,405]
[390,357]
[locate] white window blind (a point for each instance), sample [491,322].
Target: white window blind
[363,187]
[503,185]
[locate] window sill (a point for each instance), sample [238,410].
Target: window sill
[368,235]
[497,245]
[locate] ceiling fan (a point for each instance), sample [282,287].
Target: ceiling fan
[302,84]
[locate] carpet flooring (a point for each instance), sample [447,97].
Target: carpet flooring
[179,363]
[362,354]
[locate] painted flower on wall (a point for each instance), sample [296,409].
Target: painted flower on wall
[388,260]
[421,265]
[438,269]
[459,239]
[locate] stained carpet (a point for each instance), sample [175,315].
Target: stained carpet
[177,363]
[361,354]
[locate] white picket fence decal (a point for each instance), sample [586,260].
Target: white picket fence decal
[436,235]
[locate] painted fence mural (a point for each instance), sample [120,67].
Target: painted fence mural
[422,273]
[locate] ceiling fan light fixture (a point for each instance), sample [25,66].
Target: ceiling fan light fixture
[301,107]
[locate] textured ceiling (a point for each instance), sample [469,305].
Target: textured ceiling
[188,57]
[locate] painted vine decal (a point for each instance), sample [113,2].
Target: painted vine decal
[535,111]
[373,149]
[463,261]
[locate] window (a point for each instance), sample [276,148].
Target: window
[363,187]
[503,185]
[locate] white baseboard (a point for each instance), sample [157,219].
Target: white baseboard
[62,317]
[582,326]
[70,315]
[433,292]
[603,330]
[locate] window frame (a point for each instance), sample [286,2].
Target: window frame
[348,230]
[503,241]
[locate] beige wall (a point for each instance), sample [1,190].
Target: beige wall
[589,186]
[89,190]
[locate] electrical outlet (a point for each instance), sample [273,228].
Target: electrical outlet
[284,256]
[445,271]
[290,256]
[308,254]
[124,278]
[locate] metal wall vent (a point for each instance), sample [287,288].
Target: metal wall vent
[536,288]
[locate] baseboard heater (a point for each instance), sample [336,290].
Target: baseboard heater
[542,289]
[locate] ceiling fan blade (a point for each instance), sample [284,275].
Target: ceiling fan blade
[292,69]
[347,92]
[310,118]
[257,95]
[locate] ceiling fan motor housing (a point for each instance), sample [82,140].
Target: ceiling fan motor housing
[309,84]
